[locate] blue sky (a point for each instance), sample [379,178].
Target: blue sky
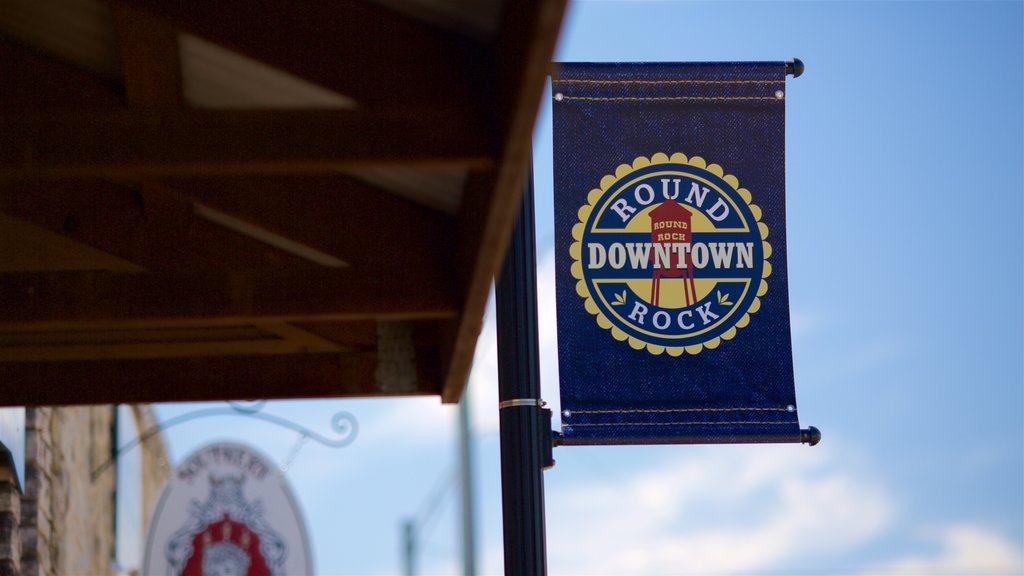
[905,143]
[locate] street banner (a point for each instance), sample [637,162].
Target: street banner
[227,510]
[672,294]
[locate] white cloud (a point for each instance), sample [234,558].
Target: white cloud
[410,420]
[877,352]
[804,322]
[484,377]
[963,549]
[547,328]
[483,381]
[730,510]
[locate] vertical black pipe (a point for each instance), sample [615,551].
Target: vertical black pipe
[522,450]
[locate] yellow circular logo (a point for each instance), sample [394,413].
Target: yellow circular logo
[670,254]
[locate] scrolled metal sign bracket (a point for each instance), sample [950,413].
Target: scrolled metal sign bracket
[343,424]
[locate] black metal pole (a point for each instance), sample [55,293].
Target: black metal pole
[522,419]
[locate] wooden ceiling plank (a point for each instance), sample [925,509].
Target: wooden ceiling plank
[184,142]
[303,340]
[26,247]
[197,349]
[148,227]
[367,228]
[171,235]
[524,48]
[192,379]
[33,82]
[125,336]
[358,49]
[150,64]
[66,300]
[362,334]
[269,338]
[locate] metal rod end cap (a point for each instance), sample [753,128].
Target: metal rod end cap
[795,67]
[810,436]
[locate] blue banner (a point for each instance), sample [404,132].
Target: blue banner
[673,306]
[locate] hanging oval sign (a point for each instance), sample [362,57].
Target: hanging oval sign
[227,510]
[670,254]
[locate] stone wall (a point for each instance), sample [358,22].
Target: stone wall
[10,518]
[155,466]
[63,523]
[67,518]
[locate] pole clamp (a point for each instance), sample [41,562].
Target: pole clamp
[529,402]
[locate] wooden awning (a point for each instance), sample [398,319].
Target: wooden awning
[236,199]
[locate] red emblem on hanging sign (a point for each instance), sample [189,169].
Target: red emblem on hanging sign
[226,510]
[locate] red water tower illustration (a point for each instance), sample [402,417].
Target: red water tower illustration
[671,225]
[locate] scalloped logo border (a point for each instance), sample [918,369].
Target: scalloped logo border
[575,251]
